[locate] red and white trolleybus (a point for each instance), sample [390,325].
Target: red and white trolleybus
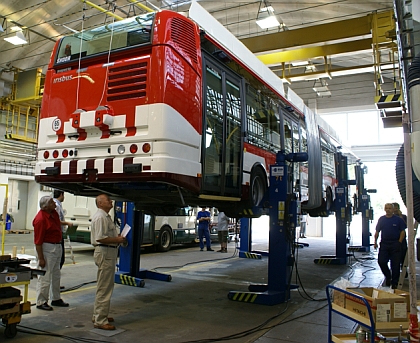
[157,110]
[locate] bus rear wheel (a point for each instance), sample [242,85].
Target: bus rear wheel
[165,239]
[258,187]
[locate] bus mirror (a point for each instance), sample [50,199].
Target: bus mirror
[371,190]
[297,157]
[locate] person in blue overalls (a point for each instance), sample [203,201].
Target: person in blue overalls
[203,218]
[404,244]
[392,229]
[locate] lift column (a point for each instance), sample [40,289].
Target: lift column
[362,205]
[245,244]
[342,214]
[283,219]
[129,272]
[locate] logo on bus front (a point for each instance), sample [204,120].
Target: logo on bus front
[63,79]
[56,124]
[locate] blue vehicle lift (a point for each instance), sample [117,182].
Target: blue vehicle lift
[284,209]
[362,204]
[129,272]
[343,212]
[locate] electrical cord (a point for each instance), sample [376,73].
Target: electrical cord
[258,328]
[31,331]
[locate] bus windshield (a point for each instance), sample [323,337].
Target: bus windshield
[118,35]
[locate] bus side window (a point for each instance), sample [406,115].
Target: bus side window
[263,129]
[287,137]
[304,141]
[296,142]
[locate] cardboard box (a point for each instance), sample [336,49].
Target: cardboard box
[386,307]
[404,294]
[339,298]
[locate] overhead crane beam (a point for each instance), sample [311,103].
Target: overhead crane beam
[344,29]
[303,54]
[329,72]
[356,32]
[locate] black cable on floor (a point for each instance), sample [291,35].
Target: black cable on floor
[32,331]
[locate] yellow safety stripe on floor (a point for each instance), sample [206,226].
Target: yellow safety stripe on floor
[128,280]
[252,255]
[248,212]
[388,98]
[245,297]
[324,261]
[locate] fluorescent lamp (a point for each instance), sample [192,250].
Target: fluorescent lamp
[321,89]
[300,63]
[268,9]
[18,39]
[268,22]
[15,28]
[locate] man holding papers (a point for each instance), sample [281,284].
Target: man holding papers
[105,238]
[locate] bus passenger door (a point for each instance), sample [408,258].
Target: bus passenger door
[222,144]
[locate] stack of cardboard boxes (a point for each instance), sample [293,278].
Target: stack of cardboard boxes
[389,310]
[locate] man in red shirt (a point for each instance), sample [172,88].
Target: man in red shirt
[47,239]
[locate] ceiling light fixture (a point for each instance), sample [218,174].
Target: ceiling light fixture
[265,17]
[321,88]
[17,39]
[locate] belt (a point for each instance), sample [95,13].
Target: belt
[108,246]
[52,243]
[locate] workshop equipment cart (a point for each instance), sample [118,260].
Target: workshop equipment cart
[14,273]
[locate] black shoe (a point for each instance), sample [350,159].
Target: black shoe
[44,307]
[210,249]
[59,303]
[201,249]
[394,286]
[387,282]
[62,287]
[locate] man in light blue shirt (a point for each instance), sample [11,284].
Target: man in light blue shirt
[58,199]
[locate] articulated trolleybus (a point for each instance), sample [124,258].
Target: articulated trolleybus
[156,110]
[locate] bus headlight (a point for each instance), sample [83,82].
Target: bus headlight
[121,149]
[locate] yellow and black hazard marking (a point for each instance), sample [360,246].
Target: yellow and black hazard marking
[324,261]
[330,260]
[251,255]
[245,297]
[129,280]
[248,212]
[388,98]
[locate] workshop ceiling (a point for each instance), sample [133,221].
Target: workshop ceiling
[44,22]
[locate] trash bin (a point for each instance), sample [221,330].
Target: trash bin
[8,226]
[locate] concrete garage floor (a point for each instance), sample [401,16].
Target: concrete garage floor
[194,307]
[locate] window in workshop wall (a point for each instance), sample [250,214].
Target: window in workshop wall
[363,128]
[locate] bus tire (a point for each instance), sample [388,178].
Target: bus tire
[258,186]
[165,239]
[329,199]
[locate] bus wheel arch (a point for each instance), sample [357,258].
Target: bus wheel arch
[257,185]
[165,238]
